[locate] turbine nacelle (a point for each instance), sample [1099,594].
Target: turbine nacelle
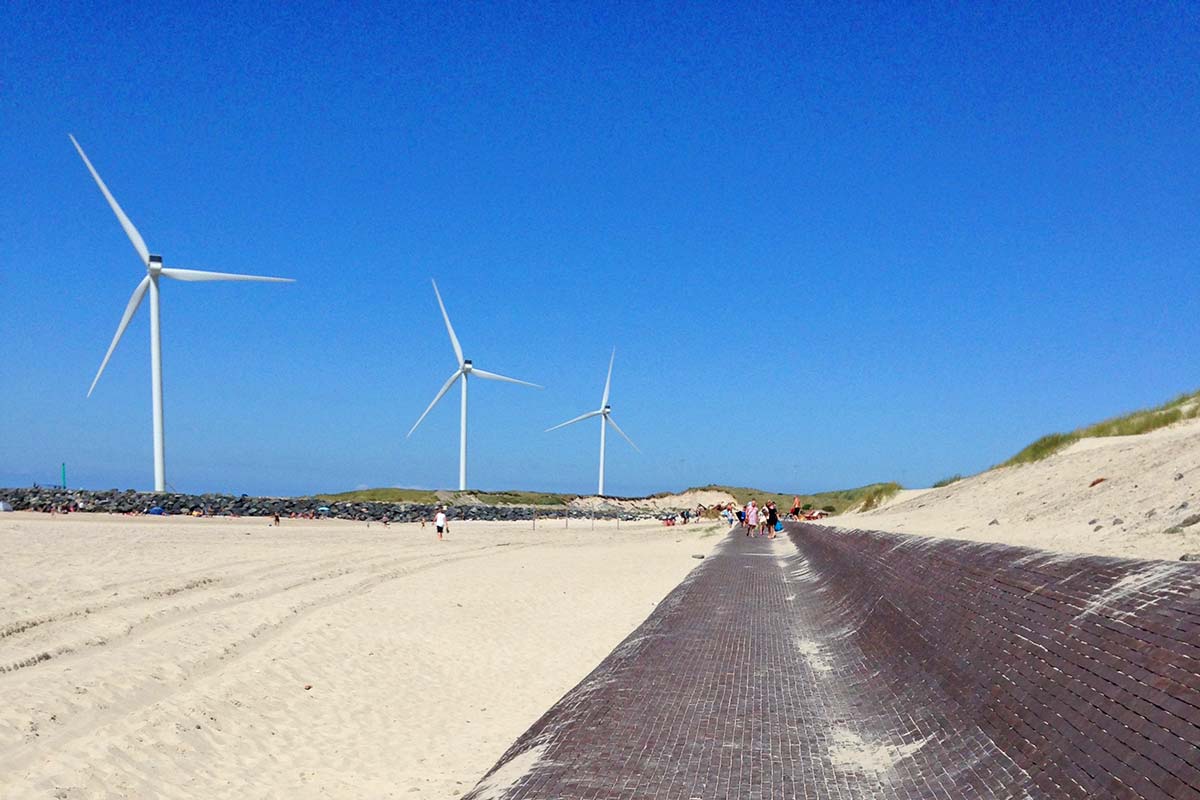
[154,265]
[606,410]
[466,365]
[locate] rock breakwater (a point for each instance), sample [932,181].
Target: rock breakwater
[114,501]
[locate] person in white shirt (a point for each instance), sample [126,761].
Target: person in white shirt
[440,521]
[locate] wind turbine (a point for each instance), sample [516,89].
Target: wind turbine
[465,368]
[154,270]
[605,414]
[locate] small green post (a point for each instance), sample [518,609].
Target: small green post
[64,474]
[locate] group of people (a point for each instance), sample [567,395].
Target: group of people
[756,520]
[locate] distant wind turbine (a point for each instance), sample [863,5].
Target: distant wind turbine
[465,368]
[154,269]
[605,414]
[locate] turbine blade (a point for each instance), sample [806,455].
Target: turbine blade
[580,418]
[491,376]
[609,420]
[608,380]
[134,301]
[449,328]
[130,231]
[457,374]
[201,275]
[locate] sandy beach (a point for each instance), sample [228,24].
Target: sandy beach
[177,657]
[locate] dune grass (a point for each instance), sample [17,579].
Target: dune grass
[430,497]
[955,478]
[384,495]
[839,500]
[1186,406]
[518,498]
[877,494]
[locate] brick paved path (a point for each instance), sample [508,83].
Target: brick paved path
[779,669]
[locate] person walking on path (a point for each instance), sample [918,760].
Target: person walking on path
[772,519]
[439,522]
[796,507]
[751,518]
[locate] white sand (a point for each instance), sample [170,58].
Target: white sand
[180,649]
[1151,483]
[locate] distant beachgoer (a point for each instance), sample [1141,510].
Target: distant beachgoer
[439,522]
[796,507]
[276,519]
[772,518]
[751,517]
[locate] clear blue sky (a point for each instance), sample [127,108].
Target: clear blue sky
[831,245]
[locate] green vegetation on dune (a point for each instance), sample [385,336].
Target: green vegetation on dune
[876,494]
[835,502]
[867,496]
[389,495]
[1186,406]
[515,498]
[955,478]
[430,497]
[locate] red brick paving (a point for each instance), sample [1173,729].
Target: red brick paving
[855,664]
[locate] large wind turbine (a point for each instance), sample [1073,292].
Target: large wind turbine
[465,368]
[605,414]
[154,270]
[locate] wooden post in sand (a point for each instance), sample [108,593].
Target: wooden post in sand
[535,519]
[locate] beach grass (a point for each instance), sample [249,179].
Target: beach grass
[840,500]
[431,497]
[1186,406]
[834,501]
[383,495]
[518,498]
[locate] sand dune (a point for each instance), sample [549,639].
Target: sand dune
[144,657]
[668,502]
[1135,496]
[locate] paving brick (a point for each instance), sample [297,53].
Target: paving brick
[841,664]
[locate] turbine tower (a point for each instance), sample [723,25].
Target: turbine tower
[605,414]
[465,368]
[154,270]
